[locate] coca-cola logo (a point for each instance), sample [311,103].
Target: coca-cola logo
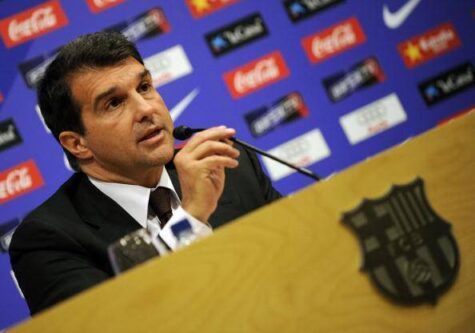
[97,6]
[264,71]
[19,180]
[256,75]
[32,23]
[340,38]
[16,181]
[42,19]
[333,40]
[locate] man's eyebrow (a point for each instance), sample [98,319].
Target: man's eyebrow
[112,90]
[144,73]
[103,95]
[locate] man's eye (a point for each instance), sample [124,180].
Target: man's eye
[145,87]
[114,103]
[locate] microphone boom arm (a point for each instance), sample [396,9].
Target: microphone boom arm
[257,150]
[185,132]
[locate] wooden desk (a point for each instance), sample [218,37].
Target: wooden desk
[293,266]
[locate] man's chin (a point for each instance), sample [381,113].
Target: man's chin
[163,158]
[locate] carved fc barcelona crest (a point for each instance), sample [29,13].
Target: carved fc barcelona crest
[409,251]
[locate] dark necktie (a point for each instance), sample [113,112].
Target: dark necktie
[161,204]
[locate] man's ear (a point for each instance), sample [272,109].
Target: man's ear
[76,144]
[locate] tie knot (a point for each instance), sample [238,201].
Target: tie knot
[160,203]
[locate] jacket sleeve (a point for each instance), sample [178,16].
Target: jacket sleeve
[269,192]
[49,265]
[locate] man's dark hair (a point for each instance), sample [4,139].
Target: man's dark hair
[58,107]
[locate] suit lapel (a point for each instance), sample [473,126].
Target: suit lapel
[102,213]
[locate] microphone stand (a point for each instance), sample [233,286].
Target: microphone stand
[304,171]
[184,132]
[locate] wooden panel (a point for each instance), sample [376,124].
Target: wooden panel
[293,266]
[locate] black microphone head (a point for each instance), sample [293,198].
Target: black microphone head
[182,132]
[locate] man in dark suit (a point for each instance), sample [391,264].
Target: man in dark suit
[98,100]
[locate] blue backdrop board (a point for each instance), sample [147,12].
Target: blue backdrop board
[321,83]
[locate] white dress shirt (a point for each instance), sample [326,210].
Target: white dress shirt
[134,200]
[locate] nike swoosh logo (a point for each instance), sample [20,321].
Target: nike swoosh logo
[396,19]
[183,104]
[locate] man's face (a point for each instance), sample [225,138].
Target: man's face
[128,128]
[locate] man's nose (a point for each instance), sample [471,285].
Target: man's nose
[143,107]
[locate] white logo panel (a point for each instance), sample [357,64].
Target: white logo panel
[300,151]
[373,118]
[168,65]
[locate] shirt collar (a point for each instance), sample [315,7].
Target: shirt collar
[134,198]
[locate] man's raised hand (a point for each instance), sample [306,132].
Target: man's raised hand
[200,165]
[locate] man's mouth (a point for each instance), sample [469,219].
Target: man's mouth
[150,134]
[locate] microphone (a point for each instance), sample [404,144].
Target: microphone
[185,132]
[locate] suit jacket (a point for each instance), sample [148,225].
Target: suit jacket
[60,248]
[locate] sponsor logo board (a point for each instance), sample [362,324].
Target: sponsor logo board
[301,9]
[97,6]
[236,34]
[431,44]
[9,135]
[364,74]
[447,84]
[333,40]
[168,65]
[200,8]
[146,25]
[256,74]
[32,23]
[33,70]
[302,151]
[372,119]
[287,109]
[19,180]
